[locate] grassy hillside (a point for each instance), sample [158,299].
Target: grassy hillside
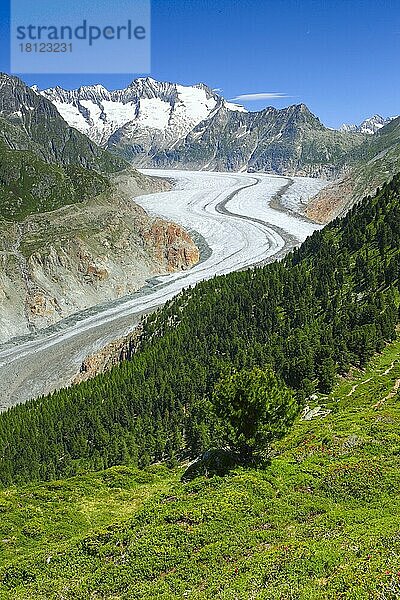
[319,522]
[29,185]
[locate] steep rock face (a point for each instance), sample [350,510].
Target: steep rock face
[160,124]
[172,245]
[56,264]
[48,133]
[290,141]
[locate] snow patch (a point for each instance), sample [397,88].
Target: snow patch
[71,114]
[195,103]
[154,113]
[234,107]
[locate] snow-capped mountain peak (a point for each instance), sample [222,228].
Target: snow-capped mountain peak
[152,109]
[368,126]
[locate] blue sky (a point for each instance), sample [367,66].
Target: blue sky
[340,57]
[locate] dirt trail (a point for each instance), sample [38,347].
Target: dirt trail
[353,389]
[390,395]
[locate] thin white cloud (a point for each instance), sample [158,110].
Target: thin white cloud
[260,96]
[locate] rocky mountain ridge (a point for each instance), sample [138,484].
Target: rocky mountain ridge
[288,141]
[160,124]
[156,113]
[47,133]
[368,126]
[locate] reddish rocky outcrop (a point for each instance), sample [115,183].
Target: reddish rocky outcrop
[331,202]
[172,246]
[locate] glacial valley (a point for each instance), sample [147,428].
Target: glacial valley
[242,219]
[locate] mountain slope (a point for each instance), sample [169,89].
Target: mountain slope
[57,263]
[328,306]
[53,137]
[29,184]
[369,167]
[44,163]
[319,521]
[289,141]
[71,237]
[153,123]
